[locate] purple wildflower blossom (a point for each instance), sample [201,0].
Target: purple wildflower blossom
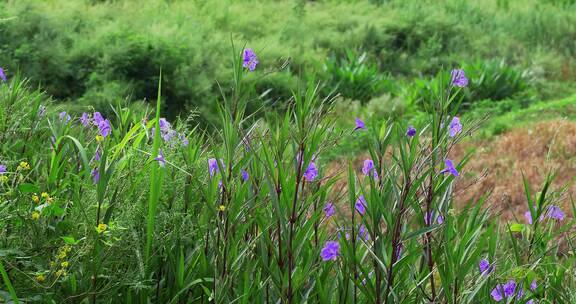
[533,285]
[64,116]
[95,175]
[311,172]
[245,175]
[330,251]
[104,127]
[361,205]
[2,169]
[3,75]
[504,291]
[183,140]
[450,168]
[97,154]
[250,60]
[485,267]
[97,118]
[459,78]
[440,219]
[213,166]
[85,119]
[411,131]
[528,217]
[160,159]
[329,209]
[455,126]
[359,124]
[363,233]
[369,167]
[554,212]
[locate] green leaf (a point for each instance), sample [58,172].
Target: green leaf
[28,188]
[70,240]
[516,227]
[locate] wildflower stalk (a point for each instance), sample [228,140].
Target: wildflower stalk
[396,235]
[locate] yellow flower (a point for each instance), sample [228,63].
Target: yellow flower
[35,215]
[49,200]
[99,138]
[62,254]
[52,264]
[24,166]
[61,273]
[4,178]
[45,195]
[67,248]
[64,264]
[40,278]
[101,228]
[222,208]
[35,199]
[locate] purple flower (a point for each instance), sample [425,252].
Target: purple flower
[450,168]
[363,233]
[311,172]
[104,127]
[97,154]
[503,291]
[2,169]
[245,175]
[359,124]
[361,205]
[411,131]
[459,78]
[95,175]
[213,166]
[440,219]
[97,118]
[369,167]
[485,267]
[329,209]
[183,140]
[160,159]
[250,61]
[3,75]
[330,251]
[554,212]
[533,285]
[85,119]
[64,116]
[455,126]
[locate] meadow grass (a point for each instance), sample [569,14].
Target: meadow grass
[130,208]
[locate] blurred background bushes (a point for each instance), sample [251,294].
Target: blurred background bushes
[383,54]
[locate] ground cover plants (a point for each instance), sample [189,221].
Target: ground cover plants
[132,208]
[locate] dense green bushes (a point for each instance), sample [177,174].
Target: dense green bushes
[95,52]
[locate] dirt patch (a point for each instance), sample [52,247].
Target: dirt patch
[496,167]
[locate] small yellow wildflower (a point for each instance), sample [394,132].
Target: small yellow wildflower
[67,248]
[49,200]
[222,208]
[24,166]
[99,138]
[45,195]
[52,264]
[35,215]
[61,272]
[40,278]
[101,228]
[64,264]
[35,199]
[62,254]
[3,178]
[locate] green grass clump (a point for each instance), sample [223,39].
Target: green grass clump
[128,208]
